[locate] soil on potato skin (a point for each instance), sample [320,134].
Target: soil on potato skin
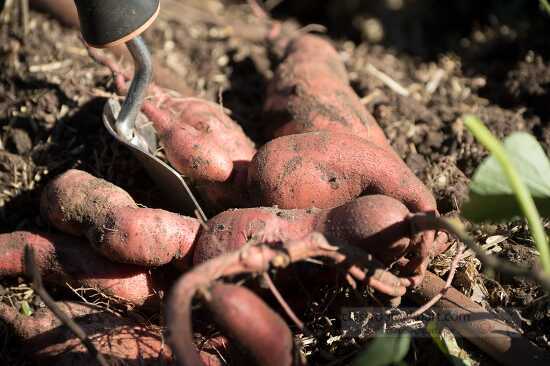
[491,60]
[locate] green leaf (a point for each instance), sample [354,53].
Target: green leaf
[491,197]
[25,308]
[385,349]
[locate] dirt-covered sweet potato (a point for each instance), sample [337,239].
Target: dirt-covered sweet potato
[376,223]
[81,204]
[66,259]
[199,140]
[327,169]
[204,144]
[324,169]
[310,91]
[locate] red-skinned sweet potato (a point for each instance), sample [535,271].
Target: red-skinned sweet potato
[261,334]
[375,223]
[199,140]
[204,144]
[257,259]
[323,169]
[310,92]
[357,223]
[65,259]
[258,335]
[81,204]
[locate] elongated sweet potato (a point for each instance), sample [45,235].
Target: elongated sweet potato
[483,328]
[81,204]
[65,259]
[310,92]
[47,340]
[323,169]
[376,223]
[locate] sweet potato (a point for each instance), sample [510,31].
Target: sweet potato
[327,169]
[261,333]
[375,223]
[64,259]
[199,140]
[80,204]
[258,335]
[324,169]
[310,92]
[483,328]
[204,144]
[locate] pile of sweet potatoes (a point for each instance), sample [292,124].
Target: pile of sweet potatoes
[327,169]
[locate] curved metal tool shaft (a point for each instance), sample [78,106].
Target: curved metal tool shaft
[125,123]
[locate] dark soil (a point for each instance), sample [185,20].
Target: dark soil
[487,58]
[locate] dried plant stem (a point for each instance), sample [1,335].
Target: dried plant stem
[288,310]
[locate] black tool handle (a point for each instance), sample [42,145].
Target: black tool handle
[106,23]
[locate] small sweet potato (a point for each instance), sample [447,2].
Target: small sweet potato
[65,259]
[204,144]
[81,204]
[261,334]
[326,169]
[310,92]
[46,340]
[199,140]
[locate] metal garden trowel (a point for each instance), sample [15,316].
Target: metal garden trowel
[107,23]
